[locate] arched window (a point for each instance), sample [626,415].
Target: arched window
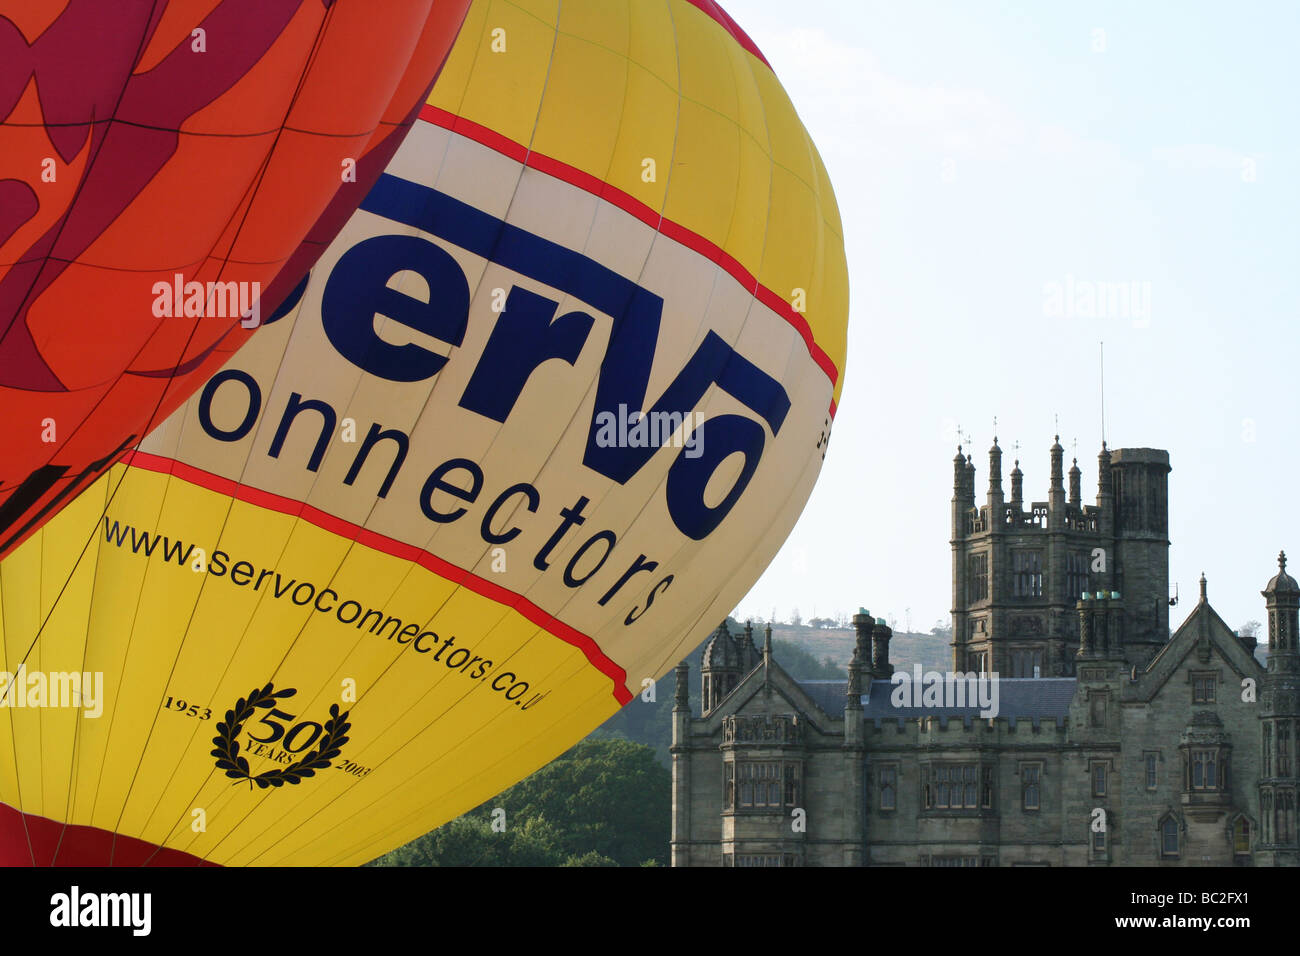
[1241,836]
[1169,837]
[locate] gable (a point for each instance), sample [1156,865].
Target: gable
[770,690]
[1202,642]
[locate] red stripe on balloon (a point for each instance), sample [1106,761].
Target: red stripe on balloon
[391,546]
[475,131]
[731,26]
[639,210]
[27,839]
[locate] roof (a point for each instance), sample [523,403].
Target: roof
[828,694]
[1027,698]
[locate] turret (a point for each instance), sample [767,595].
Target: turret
[748,650]
[719,669]
[863,623]
[1104,496]
[881,669]
[995,498]
[1279,714]
[1139,484]
[1282,599]
[1076,478]
[857,663]
[960,499]
[1017,488]
[1058,456]
[1056,491]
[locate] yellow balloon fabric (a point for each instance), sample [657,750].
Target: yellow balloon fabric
[537,420]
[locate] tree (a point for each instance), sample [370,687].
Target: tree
[606,802]
[650,723]
[801,665]
[795,619]
[470,841]
[605,795]
[590,858]
[1250,629]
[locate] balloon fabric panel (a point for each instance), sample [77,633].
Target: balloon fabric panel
[151,149]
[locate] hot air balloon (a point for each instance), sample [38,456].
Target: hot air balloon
[540,416]
[168,172]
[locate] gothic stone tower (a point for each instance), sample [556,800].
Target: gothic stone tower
[1019,571]
[1279,714]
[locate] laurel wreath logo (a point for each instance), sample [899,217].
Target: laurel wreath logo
[227,749]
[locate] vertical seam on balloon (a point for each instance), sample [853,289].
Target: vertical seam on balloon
[90,161]
[231,488]
[174,469]
[722,261]
[670,230]
[354,536]
[297,515]
[601,190]
[528,151]
[244,633]
[193,611]
[250,194]
[760,292]
[595,187]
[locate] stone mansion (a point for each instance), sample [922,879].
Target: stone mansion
[1112,743]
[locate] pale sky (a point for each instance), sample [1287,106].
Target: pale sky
[982,152]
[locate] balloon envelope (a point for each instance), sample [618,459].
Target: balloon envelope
[541,415]
[168,171]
